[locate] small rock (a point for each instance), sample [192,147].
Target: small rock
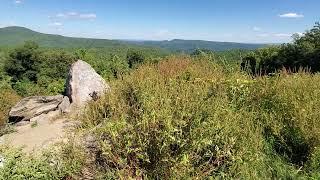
[90,142]
[72,124]
[22,123]
[64,107]
[2,161]
[45,118]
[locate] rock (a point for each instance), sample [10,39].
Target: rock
[90,142]
[72,124]
[84,84]
[45,118]
[2,160]
[31,107]
[22,123]
[64,107]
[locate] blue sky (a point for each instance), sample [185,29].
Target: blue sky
[256,21]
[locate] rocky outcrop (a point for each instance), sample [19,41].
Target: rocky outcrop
[84,84]
[37,106]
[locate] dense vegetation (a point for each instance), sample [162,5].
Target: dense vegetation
[303,53]
[189,118]
[179,116]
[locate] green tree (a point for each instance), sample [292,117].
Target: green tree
[303,53]
[135,57]
[23,62]
[55,64]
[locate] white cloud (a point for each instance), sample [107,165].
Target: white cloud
[76,15]
[278,35]
[282,35]
[256,28]
[17,2]
[56,24]
[291,15]
[263,35]
[12,23]
[88,16]
[60,15]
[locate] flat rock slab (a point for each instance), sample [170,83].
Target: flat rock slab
[34,106]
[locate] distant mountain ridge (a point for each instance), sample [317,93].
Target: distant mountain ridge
[190,45]
[14,35]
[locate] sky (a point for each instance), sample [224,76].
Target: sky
[250,21]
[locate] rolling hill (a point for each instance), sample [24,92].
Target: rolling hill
[190,45]
[12,36]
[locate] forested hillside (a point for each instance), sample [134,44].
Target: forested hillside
[11,36]
[191,45]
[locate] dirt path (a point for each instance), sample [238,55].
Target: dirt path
[38,137]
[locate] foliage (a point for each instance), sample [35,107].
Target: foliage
[185,118]
[8,98]
[57,164]
[134,58]
[303,53]
[23,62]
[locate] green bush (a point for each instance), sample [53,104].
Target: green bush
[23,62]
[57,163]
[8,98]
[135,57]
[303,53]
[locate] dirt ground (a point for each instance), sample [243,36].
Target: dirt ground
[36,137]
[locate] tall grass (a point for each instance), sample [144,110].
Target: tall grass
[185,118]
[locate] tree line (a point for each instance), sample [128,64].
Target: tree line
[302,53]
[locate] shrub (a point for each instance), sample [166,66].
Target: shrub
[135,57]
[303,53]
[8,98]
[57,163]
[23,62]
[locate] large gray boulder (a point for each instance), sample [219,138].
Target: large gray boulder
[84,84]
[34,106]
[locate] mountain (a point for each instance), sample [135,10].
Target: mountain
[190,45]
[12,36]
